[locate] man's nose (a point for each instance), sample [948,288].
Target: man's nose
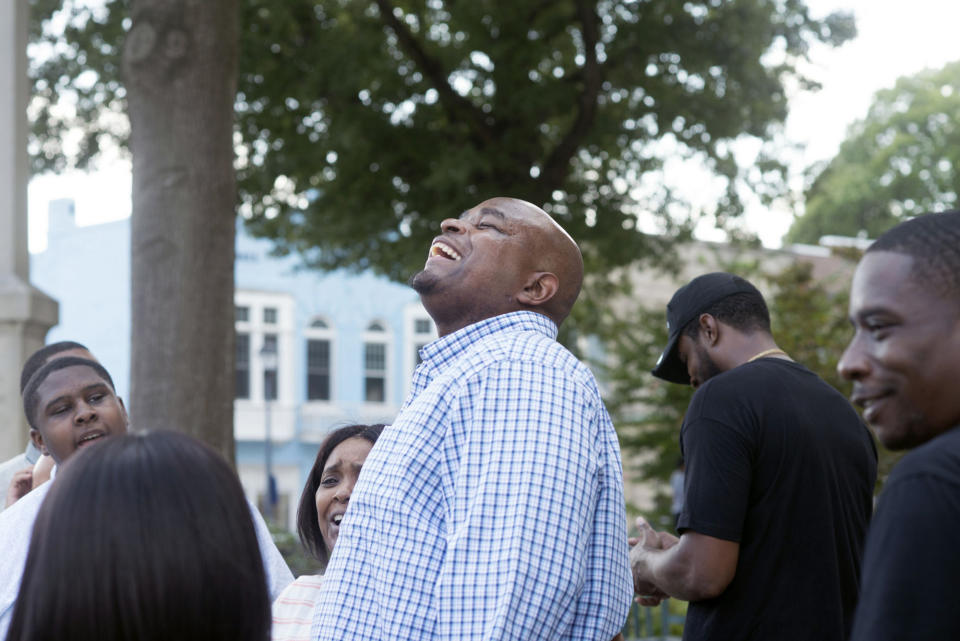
[84,413]
[853,364]
[453,226]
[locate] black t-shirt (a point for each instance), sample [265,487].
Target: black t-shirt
[911,566]
[778,461]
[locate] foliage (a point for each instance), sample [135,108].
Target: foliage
[297,558]
[647,623]
[362,123]
[900,161]
[809,322]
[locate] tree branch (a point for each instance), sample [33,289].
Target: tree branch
[459,107]
[555,168]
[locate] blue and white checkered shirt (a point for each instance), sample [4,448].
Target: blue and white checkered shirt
[492,508]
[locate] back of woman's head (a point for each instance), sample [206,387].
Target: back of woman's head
[144,537]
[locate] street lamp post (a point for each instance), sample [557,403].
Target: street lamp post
[268,358]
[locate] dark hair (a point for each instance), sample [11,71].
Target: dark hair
[41,356]
[745,311]
[933,241]
[145,537]
[307,525]
[30,397]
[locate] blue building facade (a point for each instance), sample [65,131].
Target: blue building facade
[345,344]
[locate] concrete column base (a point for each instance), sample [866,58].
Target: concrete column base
[26,315]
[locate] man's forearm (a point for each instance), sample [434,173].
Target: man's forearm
[655,572]
[672,572]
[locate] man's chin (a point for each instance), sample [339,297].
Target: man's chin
[423,282]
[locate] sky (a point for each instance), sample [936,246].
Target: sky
[895,38]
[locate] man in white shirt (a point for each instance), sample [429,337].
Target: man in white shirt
[71,403]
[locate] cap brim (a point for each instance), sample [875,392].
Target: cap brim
[669,367]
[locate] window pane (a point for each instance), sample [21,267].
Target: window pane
[318,370]
[270,343]
[318,387]
[422,326]
[242,367]
[374,389]
[318,354]
[241,314]
[375,356]
[270,384]
[270,315]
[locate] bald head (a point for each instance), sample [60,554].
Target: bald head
[554,251]
[501,256]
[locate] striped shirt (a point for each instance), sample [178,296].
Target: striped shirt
[492,508]
[293,609]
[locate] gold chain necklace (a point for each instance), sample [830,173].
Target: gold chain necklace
[767,352]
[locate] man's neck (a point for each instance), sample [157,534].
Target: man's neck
[446,326]
[750,347]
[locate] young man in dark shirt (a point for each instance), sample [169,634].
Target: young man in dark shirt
[904,361]
[779,480]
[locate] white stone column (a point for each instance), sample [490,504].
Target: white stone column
[25,312]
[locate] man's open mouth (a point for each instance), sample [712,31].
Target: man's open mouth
[86,439]
[440,248]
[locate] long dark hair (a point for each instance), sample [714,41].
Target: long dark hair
[307,526]
[143,538]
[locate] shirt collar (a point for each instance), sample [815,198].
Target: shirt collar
[438,353]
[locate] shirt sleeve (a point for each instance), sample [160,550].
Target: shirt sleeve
[278,574]
[717,479]
[910,563]
[536,540]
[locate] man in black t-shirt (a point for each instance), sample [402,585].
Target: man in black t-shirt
[904,361]
[779,480]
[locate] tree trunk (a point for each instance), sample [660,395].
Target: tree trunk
[180,67]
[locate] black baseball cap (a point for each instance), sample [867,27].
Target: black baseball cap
[688,303]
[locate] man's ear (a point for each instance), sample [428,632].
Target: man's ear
[126,417]
[37,439]
[540,288]
[709,330]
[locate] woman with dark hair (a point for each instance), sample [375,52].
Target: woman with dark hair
[142,538]
[322,506]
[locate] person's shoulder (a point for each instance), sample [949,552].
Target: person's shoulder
[14,464]
[304,588]
[528,347]
[16,526]
[25,509]
[937,458]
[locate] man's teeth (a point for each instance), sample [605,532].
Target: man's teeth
[90,437]
[445,250]
[337,519]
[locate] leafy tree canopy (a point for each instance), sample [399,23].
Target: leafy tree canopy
[363,123]
[900,161]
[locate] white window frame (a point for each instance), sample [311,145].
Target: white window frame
[386,339]
[329,334]
[249,413]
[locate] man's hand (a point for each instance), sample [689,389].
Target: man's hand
[648,540]
[652,539]
[20,484]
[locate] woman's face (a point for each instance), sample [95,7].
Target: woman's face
[337,479]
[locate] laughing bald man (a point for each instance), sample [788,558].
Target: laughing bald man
[493,507]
